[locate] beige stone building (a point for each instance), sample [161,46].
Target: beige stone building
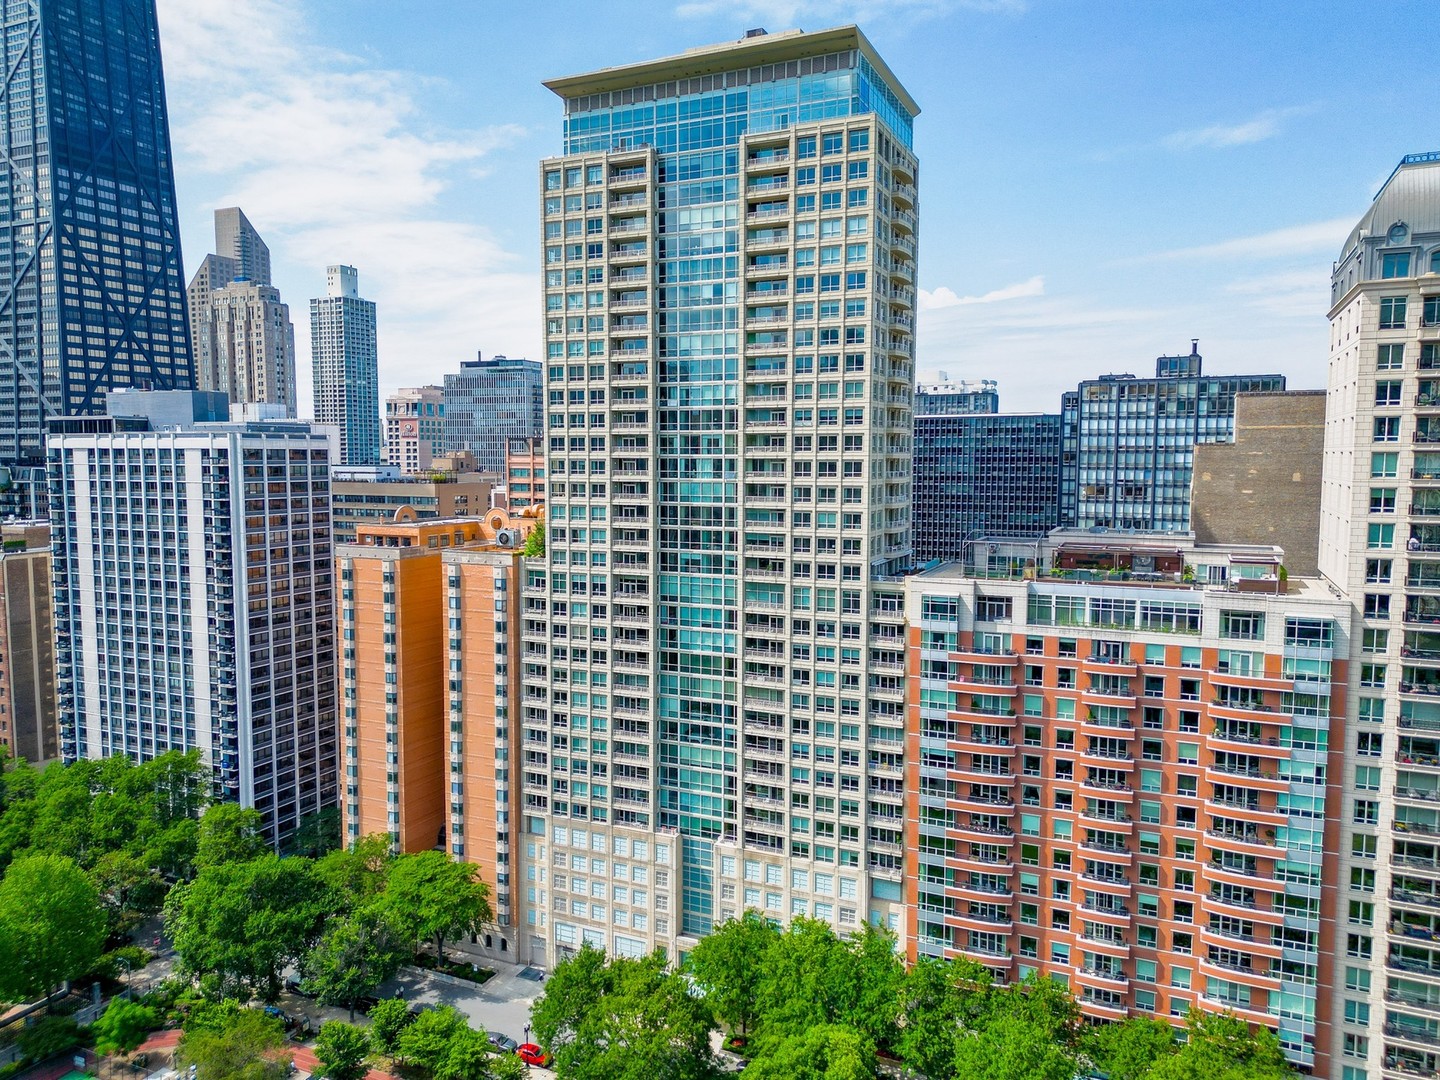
[1264,488]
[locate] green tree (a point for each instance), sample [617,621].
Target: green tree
[467,1056]
[625,1019]
[727,965]
[230,833]
[357,874]
[242,923]
[535,541]
[387,1020]
[50,1036]
[878,974]
[1010,1048]
[130,889]
[52,927]
[247,1045]
[809,979]
[508,1067]
[826,1052]
[316,834]
[355,954]
[1126,1051]
[123,1026]
[342,1049]
[1221,1046]
[430,895]
[425,1044]
[937,999]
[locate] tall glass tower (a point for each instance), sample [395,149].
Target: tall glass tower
[714,662]
[91,292]
[345,365]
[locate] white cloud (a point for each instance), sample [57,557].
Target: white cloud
[786,14]
[335,160]
[1292,240]
[944,297]
[1258,128]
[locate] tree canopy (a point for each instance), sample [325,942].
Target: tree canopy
[432,896]
[52,927]
[623,1019]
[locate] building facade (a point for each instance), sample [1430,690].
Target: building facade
[378,497]
[243,338]
[430,684]
[346,366]
[490,402]
[1135,438]
[73,325]
[1264,488]
[713,700]
[28,726]
[414,427]
[1132,784]
[194,605]
[980,474]
[1380,544]
[957,399]
[525,473]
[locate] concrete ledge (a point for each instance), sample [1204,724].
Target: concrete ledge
[449,980]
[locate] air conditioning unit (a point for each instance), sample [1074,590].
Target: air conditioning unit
[509,538]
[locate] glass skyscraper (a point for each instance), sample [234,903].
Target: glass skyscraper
[1129,443]
[983,475]
[91,288]
[488,403]
[714,667]
[345,365]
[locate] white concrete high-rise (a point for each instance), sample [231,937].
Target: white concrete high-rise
[714,653]
[1380,544]
[194,597]
[346,366]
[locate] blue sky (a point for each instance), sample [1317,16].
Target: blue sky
[1100,181]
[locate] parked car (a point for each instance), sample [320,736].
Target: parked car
[531,1054]
[366,1002]
[504,1043]
[294,986]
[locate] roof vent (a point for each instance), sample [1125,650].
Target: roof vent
[758,31]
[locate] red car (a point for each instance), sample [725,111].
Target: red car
[531,1054]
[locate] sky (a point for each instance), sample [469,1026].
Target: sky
[1100,182]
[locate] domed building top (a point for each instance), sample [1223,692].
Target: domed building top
[1410,198]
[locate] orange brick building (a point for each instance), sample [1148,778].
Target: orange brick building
[1121,779]
[428,621]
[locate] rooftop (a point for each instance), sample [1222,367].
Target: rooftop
[1411,196]
[751,50]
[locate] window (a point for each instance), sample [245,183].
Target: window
[1380,537]
[1392,313]
[1372,640]
[1384,465]
[1390,357]
[1396,265]
[1387,392]
[1387,429]
[1377,605]
[1377,571]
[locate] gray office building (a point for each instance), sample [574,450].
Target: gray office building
[346,366]
[957,398]
[982,475]
[490,402]
[1129,442]
[91,287]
